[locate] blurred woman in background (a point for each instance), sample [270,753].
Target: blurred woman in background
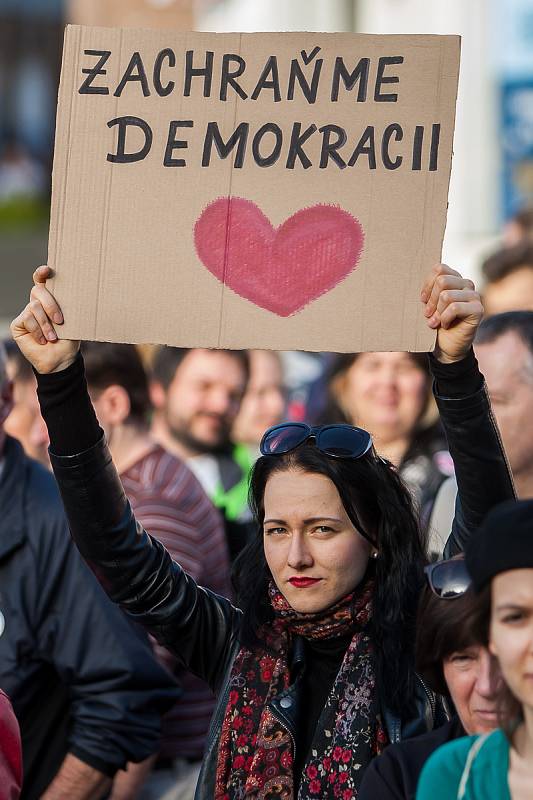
[263,404]
[389,394]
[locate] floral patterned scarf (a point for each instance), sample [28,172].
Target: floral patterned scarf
[255,757]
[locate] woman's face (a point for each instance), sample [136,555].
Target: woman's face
[264,401]
[473,677]
[315,554]
[511,630]
[384,393]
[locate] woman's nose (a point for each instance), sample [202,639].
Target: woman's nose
[389,376]
[489,675]
[218,401]
[299,555]
[384,378]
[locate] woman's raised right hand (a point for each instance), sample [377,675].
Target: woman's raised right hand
[34,332]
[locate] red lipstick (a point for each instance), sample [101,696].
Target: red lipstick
[302,583]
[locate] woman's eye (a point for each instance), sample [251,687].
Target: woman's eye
[275,530]
[462,658]
[323,529]
[516,616]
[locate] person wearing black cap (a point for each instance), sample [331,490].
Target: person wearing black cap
[499,558]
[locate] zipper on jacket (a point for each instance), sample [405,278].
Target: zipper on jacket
[216,722]
[430,696]
[215,726]
[282,722]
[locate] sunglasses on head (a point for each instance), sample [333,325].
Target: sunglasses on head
[448,579]
[337,441]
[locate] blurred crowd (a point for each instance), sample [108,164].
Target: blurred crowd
[184,428]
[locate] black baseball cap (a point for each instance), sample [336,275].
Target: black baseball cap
[502,543]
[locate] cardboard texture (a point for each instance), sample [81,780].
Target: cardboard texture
[283,191]
[132,13]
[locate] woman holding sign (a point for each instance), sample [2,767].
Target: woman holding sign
[314,669]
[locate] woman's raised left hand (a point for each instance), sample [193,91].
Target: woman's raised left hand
[453,308]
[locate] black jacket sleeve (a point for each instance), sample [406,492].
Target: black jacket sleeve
[118,692]
[483,475]
[136,571]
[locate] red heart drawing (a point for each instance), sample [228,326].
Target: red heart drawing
[279,269]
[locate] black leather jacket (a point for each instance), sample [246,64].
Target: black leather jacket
[200,628]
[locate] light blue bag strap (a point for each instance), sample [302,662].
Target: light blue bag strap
[472,753]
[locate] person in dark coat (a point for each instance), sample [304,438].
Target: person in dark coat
[85,687]
[453,663]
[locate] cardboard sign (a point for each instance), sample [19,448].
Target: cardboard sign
[283,191]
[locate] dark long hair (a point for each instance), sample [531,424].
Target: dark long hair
[378,503]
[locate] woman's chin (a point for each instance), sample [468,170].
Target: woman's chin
[309,600]
[387,426]
[301,607]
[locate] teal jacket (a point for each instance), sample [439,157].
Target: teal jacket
[448,776]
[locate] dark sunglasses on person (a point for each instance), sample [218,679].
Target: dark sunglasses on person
[448,579]
[337,441]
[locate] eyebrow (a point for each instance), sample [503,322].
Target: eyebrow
[514,607]
[306,521]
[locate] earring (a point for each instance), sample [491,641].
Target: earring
[374,555]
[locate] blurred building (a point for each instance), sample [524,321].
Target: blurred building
[513,48]
[131,13]
[276,15]
[31,35]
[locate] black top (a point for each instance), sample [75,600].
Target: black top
[394,775]
[323,659]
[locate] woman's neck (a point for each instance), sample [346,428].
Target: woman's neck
[393,450]
[523,739]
